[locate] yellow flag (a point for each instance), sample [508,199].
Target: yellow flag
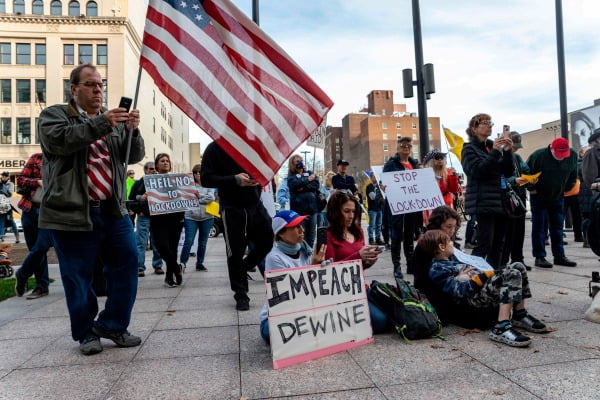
[455,143]
[529,178]
[212,208]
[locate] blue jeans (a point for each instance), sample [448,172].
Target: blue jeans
[2,224]
[310,229]
[550,213]
[142,230]
[77,251]
[191,227]
[38,242]
[375,224]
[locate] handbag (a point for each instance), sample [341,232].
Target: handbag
[513,205]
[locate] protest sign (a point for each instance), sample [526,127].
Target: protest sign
[315,311]
[170,193]
[317,138]
[412,190]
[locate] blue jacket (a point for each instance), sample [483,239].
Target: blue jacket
[303,197]
[443,275]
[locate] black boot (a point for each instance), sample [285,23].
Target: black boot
[395,250]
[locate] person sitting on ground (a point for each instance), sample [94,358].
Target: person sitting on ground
[480,287]
[289,251]
[346,241]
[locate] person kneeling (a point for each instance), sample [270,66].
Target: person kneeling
[507,288]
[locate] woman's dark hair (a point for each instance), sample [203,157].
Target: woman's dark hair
[475,122]
[439,215]
[431,240]
[159,156]
[336,217]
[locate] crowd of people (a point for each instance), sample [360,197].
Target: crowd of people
[86,205]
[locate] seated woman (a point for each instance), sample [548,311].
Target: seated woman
[290,250]
[458,313]
[508,288]
[346,241]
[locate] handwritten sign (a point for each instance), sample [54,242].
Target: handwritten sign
[412,190]
[170,193]
[474,261]
[316,311]
[317,138]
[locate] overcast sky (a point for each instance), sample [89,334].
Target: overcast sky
[494,56]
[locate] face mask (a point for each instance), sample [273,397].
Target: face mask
[299,165]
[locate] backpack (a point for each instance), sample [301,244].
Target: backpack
[409,311]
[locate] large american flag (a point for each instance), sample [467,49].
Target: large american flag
[233,80]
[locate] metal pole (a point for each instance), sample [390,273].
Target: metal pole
[255,16]
[129,135]
[305,152]
[422,105]
[562,85]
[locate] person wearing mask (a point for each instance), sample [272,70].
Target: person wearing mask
[83,172]
[487,164]
[142,228]
[244,217]
[402,226]
[304,186]
[197,220]
[558,166]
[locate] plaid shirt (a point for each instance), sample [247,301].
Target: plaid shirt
[28,180]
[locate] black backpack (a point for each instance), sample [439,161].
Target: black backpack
[409,311]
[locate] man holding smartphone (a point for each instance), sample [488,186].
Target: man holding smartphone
[84,149]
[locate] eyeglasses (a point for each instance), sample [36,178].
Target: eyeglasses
[405,145]
[196,172]
[91,84]
[487,122]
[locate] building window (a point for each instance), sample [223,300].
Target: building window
[74,8]
[101,55]
[414,125]
[5,91]
[153,97]
[56,7]
[153,125]
[40,54]
[429,125]
[36,130]
[40,90]
[23,131]
[386,147]
[37,7]
[85,53]
[5,53]
[386,158]
[23,53]
[19,7]
[163,135]
[430,136]
[66,91]
[383,112]
[68,54]
[23,91]
[384,125]
[385,136]
[91,9]
[2,6]
[5,134]
[105,92]
[398,136]
[414,136]
[170,143]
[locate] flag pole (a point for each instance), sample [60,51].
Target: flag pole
[129,134]
[447,145]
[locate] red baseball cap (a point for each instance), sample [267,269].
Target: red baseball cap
[561,147]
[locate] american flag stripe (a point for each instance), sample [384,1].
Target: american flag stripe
[264,114]
[99,170]
[232,80]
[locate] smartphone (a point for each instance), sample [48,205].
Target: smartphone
[125,103]
[321,237]
[506,131]
[380,248]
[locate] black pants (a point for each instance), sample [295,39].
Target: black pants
[402,232]
[513,245]
[572,203]
[491,235]
[243,225]
[166,231]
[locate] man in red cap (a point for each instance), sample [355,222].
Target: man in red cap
[558,166]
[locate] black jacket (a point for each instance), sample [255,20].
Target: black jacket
[303,193]
[218,170]
[484,166]
[394,164]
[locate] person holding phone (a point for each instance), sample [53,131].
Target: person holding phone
[84,150]
[304,186]
[487,164]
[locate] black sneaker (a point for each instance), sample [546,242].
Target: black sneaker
[510,336]
[379,242]
[542,262]
[530,324]
[201,267]
[141,273]
[121,339]
[242,305]
[564,261]
[90,345]
[159,271]
[37,293]
[20,286]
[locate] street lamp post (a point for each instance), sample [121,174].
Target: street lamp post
[305,152]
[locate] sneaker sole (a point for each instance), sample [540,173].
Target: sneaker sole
[502,339]
[517,324]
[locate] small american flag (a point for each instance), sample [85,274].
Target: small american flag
[233,80]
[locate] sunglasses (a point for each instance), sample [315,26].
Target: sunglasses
[196,172]
[405,145]
[487,122]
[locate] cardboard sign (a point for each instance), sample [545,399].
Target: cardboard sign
[170,193]
[315,311]
[412,190]
[317,138]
